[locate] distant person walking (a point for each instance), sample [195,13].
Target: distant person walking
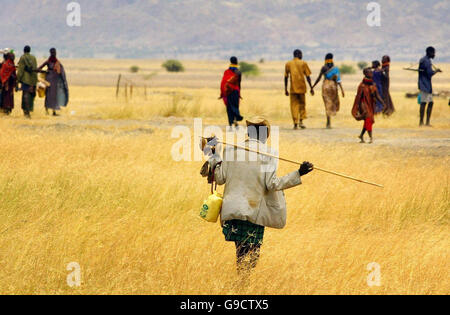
[9,82]
[330,85]
[4,53]
[377,81]
[27,76]
[230,92]
[389,108]
[364,105]
[426,73]
[297,70]
[57,95]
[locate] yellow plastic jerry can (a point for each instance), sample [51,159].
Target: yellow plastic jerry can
[211,207]
[41,92]
[41,89]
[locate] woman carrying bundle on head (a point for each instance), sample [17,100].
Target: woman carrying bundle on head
[330,87]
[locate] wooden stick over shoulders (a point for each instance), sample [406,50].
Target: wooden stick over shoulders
[298,163]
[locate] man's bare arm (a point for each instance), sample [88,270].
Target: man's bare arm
[286,85]
[310,84]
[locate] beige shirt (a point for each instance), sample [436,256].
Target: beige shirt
[297,69]
[253,192]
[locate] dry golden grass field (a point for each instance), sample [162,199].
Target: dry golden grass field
[98,186]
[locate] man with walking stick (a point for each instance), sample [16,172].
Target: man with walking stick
[253,197]
[426,72]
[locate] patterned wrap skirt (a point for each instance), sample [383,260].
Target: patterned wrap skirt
[330,97]
[243,232]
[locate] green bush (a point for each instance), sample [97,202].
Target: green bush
[249,69]
[347,69]
[173,66]
[134,69]
[362,65]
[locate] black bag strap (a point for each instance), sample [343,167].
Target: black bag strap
[213,181]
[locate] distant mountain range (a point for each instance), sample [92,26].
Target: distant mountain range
[215,29]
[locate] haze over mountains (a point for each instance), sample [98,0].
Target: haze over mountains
[215,29]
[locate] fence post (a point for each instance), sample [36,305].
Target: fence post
[118,85]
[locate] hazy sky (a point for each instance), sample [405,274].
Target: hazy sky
[213,29]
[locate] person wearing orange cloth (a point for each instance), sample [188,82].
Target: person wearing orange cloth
[297,69]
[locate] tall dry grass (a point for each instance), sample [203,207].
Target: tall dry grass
[99,187]
[117,203]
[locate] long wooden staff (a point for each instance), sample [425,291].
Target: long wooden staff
[421,70]
[295,162]
[411,69]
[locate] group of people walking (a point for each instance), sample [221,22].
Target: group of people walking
[372,98]
[253,199]
[24,77]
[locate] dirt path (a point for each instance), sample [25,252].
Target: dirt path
[411,139]
[428,141]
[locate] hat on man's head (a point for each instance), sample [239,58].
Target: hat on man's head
[259,121]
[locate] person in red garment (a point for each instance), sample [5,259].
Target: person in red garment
[364,106]
[230,92]
[8,78]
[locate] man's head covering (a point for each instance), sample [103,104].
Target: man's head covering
[259,121]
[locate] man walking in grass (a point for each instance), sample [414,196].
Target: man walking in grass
[27,76]
[297,70]
[230,92]
[253,196]
[426,72]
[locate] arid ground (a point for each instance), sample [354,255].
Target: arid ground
[98,186]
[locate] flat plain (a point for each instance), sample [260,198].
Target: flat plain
[99,186]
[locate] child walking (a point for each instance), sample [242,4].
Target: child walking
[365,102]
